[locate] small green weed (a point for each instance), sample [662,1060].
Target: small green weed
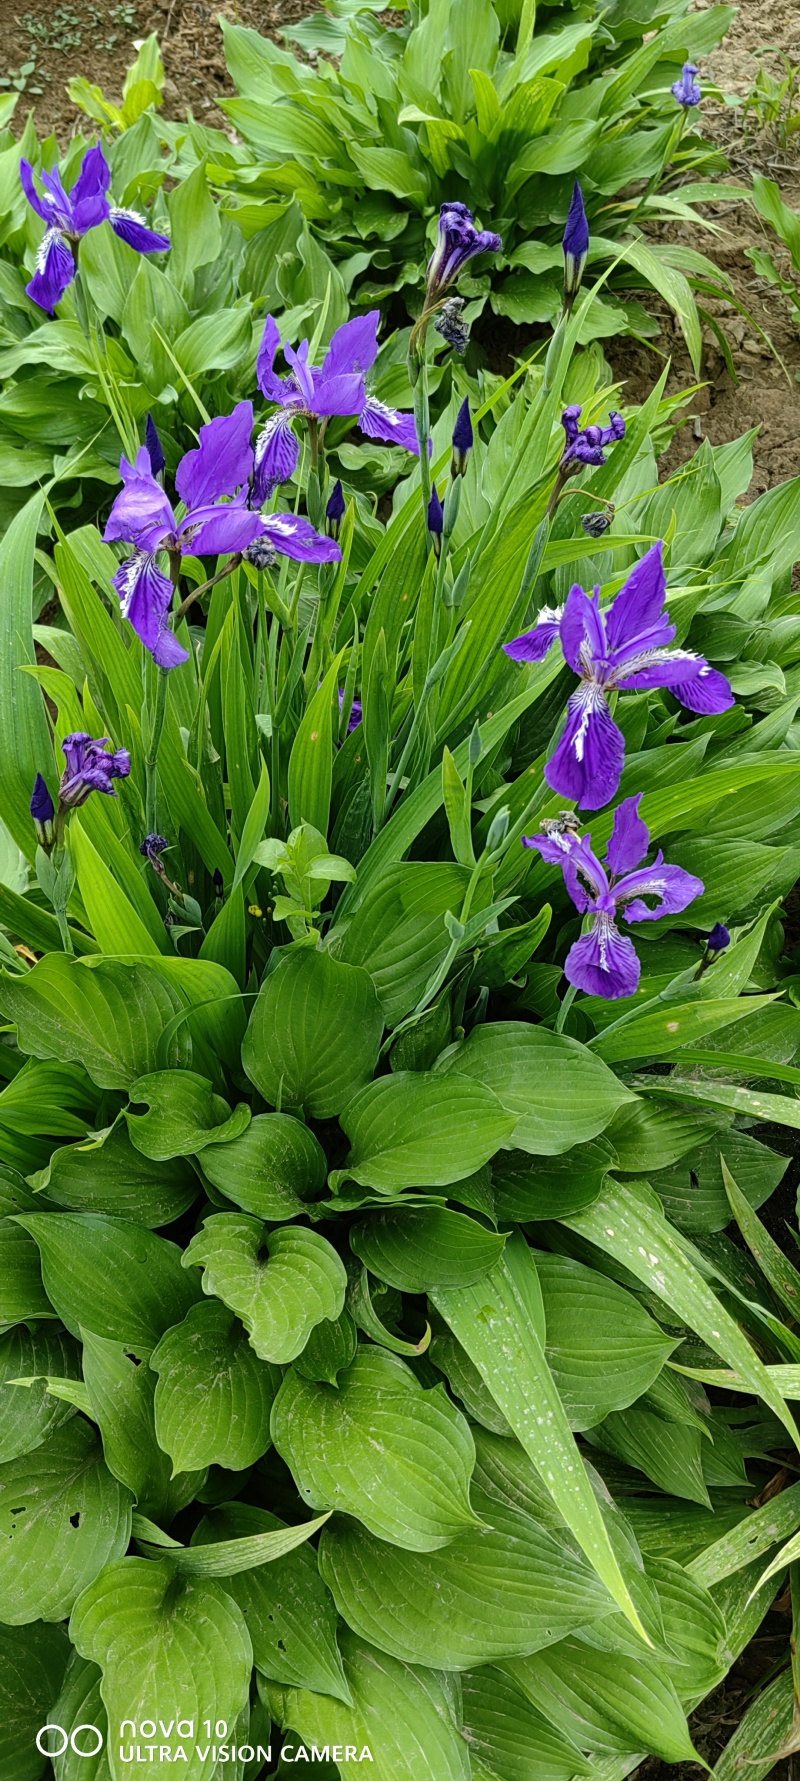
[774,103]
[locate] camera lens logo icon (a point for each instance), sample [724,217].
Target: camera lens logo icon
[61,1740]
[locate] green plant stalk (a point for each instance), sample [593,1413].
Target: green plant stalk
[155,729]
[566,1003]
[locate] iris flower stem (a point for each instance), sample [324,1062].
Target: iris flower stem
[227,569]
[422,421]
[155,732]
[566,1003]
[63,928]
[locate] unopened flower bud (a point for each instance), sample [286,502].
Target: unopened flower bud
[463,440]
[335,510]
[436,520]
[158,462]
[575,245]
[718,939]
[42,811]
[498,829]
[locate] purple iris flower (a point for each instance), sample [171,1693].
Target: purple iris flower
[221,466]
[458,242]
[687,89]
[575,243]
[69,216]
[625,649]
[316,392]
[604,962]
[585,445]
[356,712]
[90,768]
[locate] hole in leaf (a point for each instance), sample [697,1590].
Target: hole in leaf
[75,1520]
[134,1358]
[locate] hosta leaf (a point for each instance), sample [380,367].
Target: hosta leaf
[667,1452]
[22,1294]
[379,1448]
[27,1417]
[421,1130]
[120,1389]
[274,1166]
[80,1703]
[62,1518]
[623,1224]
[753,1535]
[401,1714]
[213,1396]
[602,1347]
[466,1383]
[694,1627]
[183,1115]
[289,1612]
[314,1034]
[107,1174]
[170,1646]
[493,1322]
[110,1276]
[497,1591]
[425,1246]
[692,1191]
[107,1017]
[559,1093]
[398,932]
[229,1558]
[281,1283]
[783,1277]
[32,1664]
[509,1738]
[549,1187]
[606,1701]
[330,1348]
[762,1734]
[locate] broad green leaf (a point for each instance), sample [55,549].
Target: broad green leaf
[26,746]
[174,1647]
[289,1612]
[398,934]
[107,1174]
[510,1739]
[558,1092]
[182,1116]
[401,1129]
[380,1448]
[22,1295]
[694,1626]
[692,1191]
[330,1347]
[498,1591]
[763,1733]
[27,1417]
[213,1396]
[314,1034]
[62,1518]
[549,1187]
[108,1018]
[281,1283]
[610,1703]
[776,1267]
[754,1104]
[32,1665]
[228,1558]
[274,1166]
[311,759]
[623,1224]
[493,1321]
[466,1383]
[602,1347]
[120,1390]
[669,1453]
[648,1135]
[662,1031]
[425,1246]
[80,1703]
[400,1714]
[110,1276]
[112,918]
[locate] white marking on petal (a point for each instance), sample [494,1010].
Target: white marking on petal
[129,575]
[654,658]
[590,696]
[49,237]
[550,615]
